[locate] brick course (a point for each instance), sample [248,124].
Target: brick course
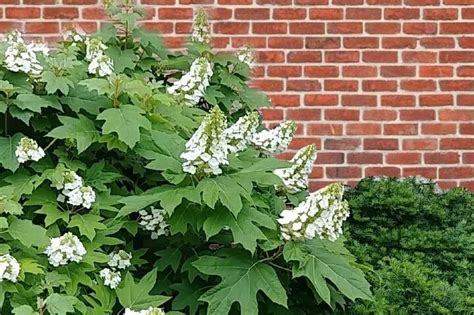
[383,87]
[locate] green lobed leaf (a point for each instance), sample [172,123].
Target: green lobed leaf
[88,224]
[36,235]
[81,129]
[7,152]
[58,304]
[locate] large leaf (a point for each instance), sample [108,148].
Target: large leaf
[126,122]
[7,152]
[46,198]
[34,102]
[224,189]
[242,278]
[58,304]
[81,129]
[81,98]
[28,233]
[88,224]
[137,295]
[316,261]
[245,227]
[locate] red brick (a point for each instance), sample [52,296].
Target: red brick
[417,114]
[457,28]
[401,14]
[468,158]
[341,114]
[420,28]
[438,129]
[272,2]
[419,57]
[457,144]
[285,100]
[299,142]
[81,2]
[304,56]
[272,114]
[306,28]
[60,13]
[289,14]
[341,85]
[270,56]
[22,13]
[303,85]
[185,28]
[219,13]
[363,14]
[400,129]
[382,171]
[324,129]
[436,71]
[398,100]
[398,42]
[440,14]
[363,129]
[359,100]
[252,14]
[322,42]
[255,42]
[465,100]
[31,1]
[175,13]
[158,27]
[380,115]
[41,27]
[468,13]
[284,71]
[380,56]
[303,114]
[231,28]
[456,115]
[285,42]
[268,85]
[436,100]
[418,85]
[466,71]
[326,14]
[380,144]
[344,172]
[456,56]
[456,172]
[342,144]
[361,42]
[384,2]
[320,100]
[235,2]
[466,42]
[457,85]
[398,71]
[422,2]
[437,42]
[269,28]
[382,28]
[348,2]
[341,56]
[364,158]
[359,71]
[330,158]
[344,28]
[420,144]
[93,13]
[321,71]
[403,158]
[379,85]
[428,172]
[441,158]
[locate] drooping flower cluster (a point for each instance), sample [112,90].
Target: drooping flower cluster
[321,214]
[276,140]
[9,268]
[201,33]
[28,150]
[246,56]
[111,278]
[73,188]
[120,259]
[239,134]
[22,57]
[295,178]
[192,86]
[99,63]
[207,149]
[75,36]
[149,311]
[154,221]
[65,249]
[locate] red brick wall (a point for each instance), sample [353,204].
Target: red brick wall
[384,87]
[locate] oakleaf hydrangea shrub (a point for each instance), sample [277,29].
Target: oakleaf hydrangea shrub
[418,239]
[138,180]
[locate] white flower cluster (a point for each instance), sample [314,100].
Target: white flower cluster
[73,188]
[238,135]
[154,221]
[120,259]
[275,140]
[117,260]
[9,268]
[28,150]
[321,214]
[22,57]
[246,56]
[207,149]
[295,178]
[65,249]
[192,86]
[201,28]
[111,278]
[149,311]
[99,63]
[75,36]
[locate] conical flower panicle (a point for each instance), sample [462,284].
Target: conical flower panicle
[192,85]
[295,178]
[22,57]
[275,140]
[207,149]
[246,56]
[201,31]
[320,215]
[99,63]
[239,134]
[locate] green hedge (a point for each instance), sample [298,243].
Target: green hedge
[418,242]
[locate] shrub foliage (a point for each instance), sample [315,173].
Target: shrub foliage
[119,190]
